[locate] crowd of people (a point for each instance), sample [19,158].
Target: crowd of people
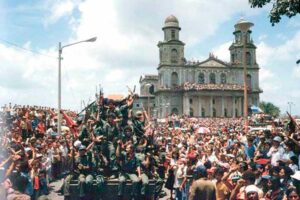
[204,86]
[110,141]
[211,86]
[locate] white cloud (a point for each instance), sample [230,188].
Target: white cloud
[262,37]
[222,51]
[289,50]
[278,77]
[265,74]
[58,9]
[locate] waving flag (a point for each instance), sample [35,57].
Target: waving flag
[70,123]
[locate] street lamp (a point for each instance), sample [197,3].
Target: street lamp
[244,27]
[60,48]
[148,85]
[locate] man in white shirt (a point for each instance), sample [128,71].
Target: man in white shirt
[276,151]
[64,155]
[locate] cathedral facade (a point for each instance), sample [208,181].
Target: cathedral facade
[210,88]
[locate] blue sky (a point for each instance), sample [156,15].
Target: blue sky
[126,46]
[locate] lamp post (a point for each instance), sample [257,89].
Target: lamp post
[60,48]
[244,27]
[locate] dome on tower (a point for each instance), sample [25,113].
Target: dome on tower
[171,21]
[243,25]
[171,18]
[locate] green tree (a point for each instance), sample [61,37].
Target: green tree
[269,108]
[280,8]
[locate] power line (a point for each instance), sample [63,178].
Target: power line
[24,49]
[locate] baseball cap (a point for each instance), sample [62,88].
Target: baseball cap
[277,139]
[77,143]
[82,147]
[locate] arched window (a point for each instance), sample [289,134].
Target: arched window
[225,112]
[223,78]
[174,79]
[175,111]
[248,58]
[236,113]
[249,81]
[201,78]
[151,89]
[238,37]
[160,54]
[233,58]
[212,78]
[174,56]
[202,112]
[214,112]
[191,112]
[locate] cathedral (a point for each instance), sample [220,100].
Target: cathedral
[210,88]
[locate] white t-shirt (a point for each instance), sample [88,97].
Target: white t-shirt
[180,173]
[64,150]
[275,154]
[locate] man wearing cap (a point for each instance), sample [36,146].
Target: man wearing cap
[248,179]
[276,151]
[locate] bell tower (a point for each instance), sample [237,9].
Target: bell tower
[171,49]
[236,48]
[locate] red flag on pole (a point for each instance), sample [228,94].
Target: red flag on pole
[70,123]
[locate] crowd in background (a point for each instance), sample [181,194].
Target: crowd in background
[195,158]
[202,86]
[197,86]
